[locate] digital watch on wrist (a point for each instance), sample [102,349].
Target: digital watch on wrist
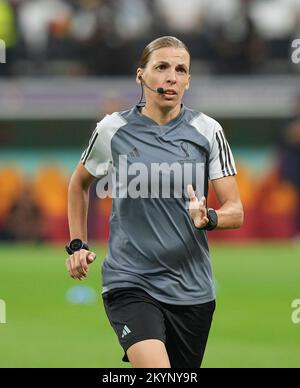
[213,220]
[76,245]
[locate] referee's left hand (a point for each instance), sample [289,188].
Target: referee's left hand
[77,264]
[197,209]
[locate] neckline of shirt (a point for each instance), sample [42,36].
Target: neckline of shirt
[147,120]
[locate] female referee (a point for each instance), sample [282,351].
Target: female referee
[158,290]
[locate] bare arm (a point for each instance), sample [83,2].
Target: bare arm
[78,202]
[230,214]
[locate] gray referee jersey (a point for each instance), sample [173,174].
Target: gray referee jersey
[153,242]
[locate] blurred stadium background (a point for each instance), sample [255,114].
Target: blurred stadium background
[68,63]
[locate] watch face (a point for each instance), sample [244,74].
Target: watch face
[76,245]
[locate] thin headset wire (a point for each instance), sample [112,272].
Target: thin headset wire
[142,96]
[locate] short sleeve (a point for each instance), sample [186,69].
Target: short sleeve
[221,161]
[97,156]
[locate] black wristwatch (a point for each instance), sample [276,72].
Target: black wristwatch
[213,220]
[76,245]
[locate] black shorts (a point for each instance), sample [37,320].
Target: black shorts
[136,316]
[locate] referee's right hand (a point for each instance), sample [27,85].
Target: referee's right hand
[78,263]
[197,209]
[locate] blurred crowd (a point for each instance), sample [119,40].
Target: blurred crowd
[289,157]
[105,37]
[34,208]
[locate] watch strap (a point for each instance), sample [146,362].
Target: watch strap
[212,220]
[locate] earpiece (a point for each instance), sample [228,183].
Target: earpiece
[140,79]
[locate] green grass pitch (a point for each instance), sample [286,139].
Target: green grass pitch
[252,326]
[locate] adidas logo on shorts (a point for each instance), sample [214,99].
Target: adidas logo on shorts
[125,331]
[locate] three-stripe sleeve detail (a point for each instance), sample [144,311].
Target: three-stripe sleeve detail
[220,154]
[89,149]
[224,155]
[230,158]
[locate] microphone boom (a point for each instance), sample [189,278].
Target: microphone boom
[158,90]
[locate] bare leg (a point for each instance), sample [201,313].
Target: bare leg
[148,354]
